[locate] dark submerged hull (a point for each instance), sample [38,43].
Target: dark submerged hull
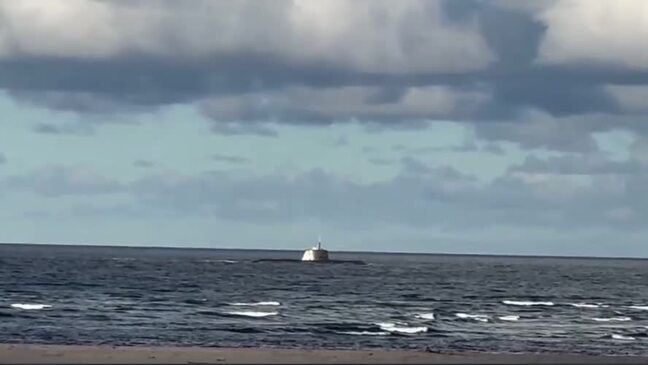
[355,262]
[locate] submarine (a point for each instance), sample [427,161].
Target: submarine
[315,254]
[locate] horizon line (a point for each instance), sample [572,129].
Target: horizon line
[341,251]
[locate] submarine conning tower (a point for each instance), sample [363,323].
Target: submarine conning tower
[316,253]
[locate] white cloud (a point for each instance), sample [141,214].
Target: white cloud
[596,32]
[364,35]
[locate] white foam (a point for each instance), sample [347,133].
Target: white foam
[253,314]
[428,316]
[365,333]
[30,306]
[256,304]
[509,318]
[639,307]
[476,317]
[229,261]
[622,337]
[612,319]
[526,303]
[392,327]
[586,305]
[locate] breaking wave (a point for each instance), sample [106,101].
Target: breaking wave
[428,316]
[526,303]
[255,304]
[589,306]
[252,314]
[612,319]
[476,317]
[622,337]
[639,307]
[30,306]
[392,327]
[509,318]
[365,333]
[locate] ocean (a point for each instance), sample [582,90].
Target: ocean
[222,298]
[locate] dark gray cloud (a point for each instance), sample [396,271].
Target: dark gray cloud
[541,194]
[420,196]
[489,63]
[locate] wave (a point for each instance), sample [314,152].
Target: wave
[526,303]
[509,318]
[428,316]
[622,337]
[228,261]
[255,304]
[476,317]
[392,327]
[364,333]
[30,306]
[612,319]
[639,307]
[586,305]
[252,314]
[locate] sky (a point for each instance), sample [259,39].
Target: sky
[460,126]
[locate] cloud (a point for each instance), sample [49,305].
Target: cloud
[312,195]
[578,164]
[605,33]
[565,194]
[639,151]
[371,36]
[530,196]
[55,181]
[630,98]
[469,144]
[144,164]
[497,65]
[231,128]
[77,129]
[542,131]
[301,105]
[230,159]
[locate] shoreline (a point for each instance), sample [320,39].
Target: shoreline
[87,354]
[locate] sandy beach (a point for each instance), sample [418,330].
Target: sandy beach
[55,354]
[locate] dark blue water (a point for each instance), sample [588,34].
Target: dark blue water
[135,296]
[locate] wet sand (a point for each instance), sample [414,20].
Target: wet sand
[54,354]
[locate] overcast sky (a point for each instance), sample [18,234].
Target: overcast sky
[460,126]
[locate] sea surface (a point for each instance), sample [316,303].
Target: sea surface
[222,298]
